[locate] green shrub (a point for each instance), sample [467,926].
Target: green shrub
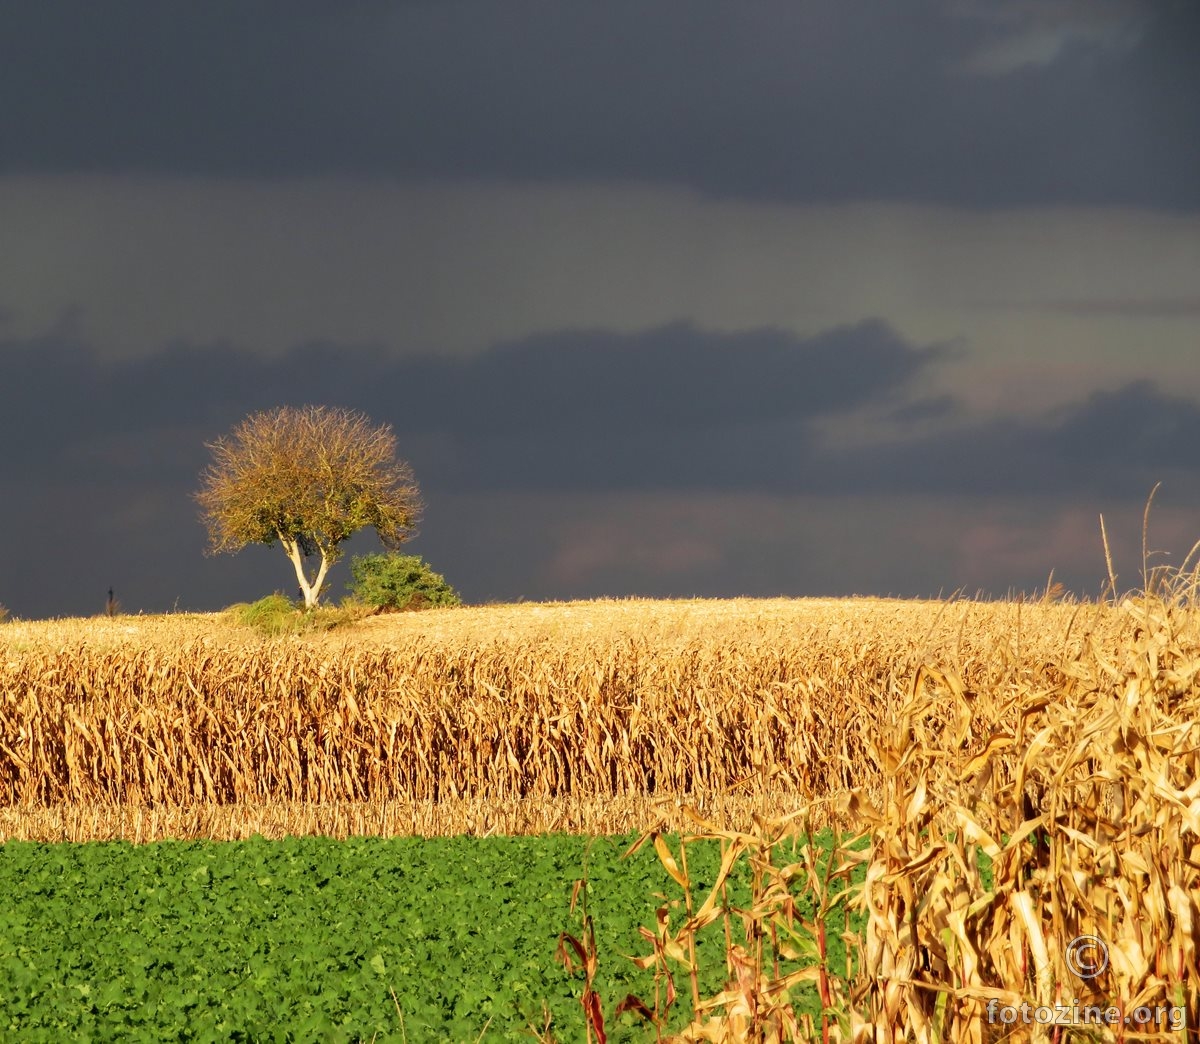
[394,582]
[277,615]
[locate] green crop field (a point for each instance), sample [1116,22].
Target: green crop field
[308,939]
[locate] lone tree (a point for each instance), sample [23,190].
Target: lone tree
[308,477]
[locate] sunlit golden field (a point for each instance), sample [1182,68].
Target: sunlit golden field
[516,718]
[1022,773]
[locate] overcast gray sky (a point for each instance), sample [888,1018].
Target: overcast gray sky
[661,298]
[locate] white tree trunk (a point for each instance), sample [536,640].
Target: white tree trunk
[310,590]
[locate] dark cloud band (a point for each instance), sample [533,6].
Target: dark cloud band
[674,407]
[814,102]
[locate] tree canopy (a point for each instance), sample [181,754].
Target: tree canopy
[308,477]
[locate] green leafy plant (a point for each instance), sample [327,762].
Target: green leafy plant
[277,615]
[271,940]
[395,582]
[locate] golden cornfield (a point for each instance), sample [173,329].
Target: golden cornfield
[518,718]
[1026,774]
[1032,868]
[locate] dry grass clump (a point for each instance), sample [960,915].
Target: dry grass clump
[552,710]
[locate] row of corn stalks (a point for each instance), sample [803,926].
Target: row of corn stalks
[1028,870]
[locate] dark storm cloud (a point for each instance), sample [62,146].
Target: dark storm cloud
[58,399]
[818,102]
[621,402]
[677,378]
[103,456]
[672,408]
[1114,443]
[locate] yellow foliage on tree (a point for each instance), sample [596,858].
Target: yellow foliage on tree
[308,477]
